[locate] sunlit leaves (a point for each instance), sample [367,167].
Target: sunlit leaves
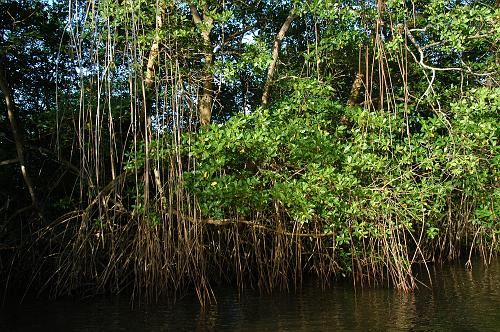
[348,177]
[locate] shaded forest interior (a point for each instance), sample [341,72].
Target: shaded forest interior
[156,147]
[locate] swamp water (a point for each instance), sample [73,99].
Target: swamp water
[460,300]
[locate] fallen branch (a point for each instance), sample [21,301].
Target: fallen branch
[254,224]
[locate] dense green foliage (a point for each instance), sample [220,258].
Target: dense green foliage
[360,178]
[182,143]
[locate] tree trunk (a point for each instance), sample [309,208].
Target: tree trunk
[10,107]
[206,25]
[155,50]
[272,66]
[355,89]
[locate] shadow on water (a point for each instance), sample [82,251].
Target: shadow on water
[460,300]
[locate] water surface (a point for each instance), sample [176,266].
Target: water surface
[460,300]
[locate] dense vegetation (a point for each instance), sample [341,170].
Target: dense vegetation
[160,147]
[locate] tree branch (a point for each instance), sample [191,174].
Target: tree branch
[421,53]
[10,106]
[9,161]
[272,66]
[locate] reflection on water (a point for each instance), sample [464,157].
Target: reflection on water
[460,300]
